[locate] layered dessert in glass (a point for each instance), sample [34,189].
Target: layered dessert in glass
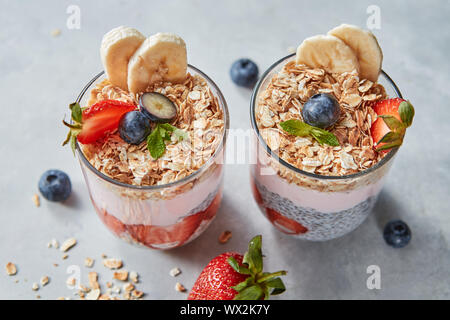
[328,123]
[150,140]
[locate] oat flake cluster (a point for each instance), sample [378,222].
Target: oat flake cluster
[283,99]
[199,115]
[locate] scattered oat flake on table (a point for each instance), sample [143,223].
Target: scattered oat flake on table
[179,287]
[69,243]
[174,272]
[225,236]
[36,200]
[128,287]
[44,280]
[56,32]
[88,262]
[35,286]
[93,294]
[137,294]
[93,280]
[112,263]
[121,275]
[11,269]
[71,281]
[134,276]
[55,243]
[64,257]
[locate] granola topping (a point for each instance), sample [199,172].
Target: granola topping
[199,115]
[283,99]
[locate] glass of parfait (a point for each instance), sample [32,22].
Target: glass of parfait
[305,189]
[164,203]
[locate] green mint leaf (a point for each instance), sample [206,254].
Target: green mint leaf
[324,137]
[301,129]
[253,257]
[155,144]
[406,112]
[296,127]
[181,135]
[250,293]
[392,122]
[77,114]
[167,126]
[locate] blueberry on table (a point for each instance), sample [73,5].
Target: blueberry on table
[244,72]
[157,107]
[397,234]
[321,110]
[55,185]
[134,127]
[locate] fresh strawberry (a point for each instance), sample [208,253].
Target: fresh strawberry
[394,116]
[96,121]
[284,224]
[231,276]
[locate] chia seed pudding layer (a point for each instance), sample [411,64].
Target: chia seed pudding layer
[320,226]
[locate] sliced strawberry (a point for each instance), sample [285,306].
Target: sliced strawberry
[102,118]
[284,224]
[388,112]
[157,237]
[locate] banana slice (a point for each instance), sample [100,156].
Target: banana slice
[327,52]
[161,57]
[366,47]
[117,47]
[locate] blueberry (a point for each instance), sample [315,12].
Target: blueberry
[244,72]
[397,234]
[321,110]
[55,185]
[134,127]
[157,107]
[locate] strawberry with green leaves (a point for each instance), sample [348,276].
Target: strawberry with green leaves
[95,122]
[231,276]
[394,117]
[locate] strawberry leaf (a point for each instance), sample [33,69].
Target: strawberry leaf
[253,257]
[258,285]
[238,268]
[276,285]
[388,146]
[406,112]
[392,122]
[244,284]
[254,292]
[391,136]
[76,112]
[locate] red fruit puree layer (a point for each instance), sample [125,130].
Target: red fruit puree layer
[281,222]
[157,236]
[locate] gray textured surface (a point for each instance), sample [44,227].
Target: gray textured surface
[41,74]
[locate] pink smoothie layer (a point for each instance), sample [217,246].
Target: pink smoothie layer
[153,212]
[326,202]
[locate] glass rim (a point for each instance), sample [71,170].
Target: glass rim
[186,179]
[383,161]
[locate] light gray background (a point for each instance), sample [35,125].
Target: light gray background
[41,74]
